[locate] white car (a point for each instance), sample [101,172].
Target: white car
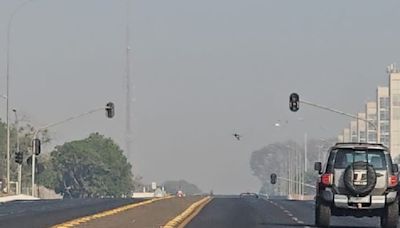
[180,194]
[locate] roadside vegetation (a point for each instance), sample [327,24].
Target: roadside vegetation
[92,167]
[274,158]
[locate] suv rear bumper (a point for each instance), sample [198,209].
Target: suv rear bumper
[367,202]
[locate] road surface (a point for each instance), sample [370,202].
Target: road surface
[236,212]
[45,213]
[221,212]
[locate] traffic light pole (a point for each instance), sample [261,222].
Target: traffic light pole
[337,112]
[18,190]
[35,135]
[19,178]
[33,163]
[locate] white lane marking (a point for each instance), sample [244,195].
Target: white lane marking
[295,219]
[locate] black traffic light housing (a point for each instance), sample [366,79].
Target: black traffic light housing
[294,102]
[273,178]
[19,157]
[110,110]
[36,145]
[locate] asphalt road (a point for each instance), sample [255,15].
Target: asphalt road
[251,212]
[45,213]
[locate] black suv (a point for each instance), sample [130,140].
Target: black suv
[359,180]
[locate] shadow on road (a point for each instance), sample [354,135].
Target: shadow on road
[306,225]
[281,225]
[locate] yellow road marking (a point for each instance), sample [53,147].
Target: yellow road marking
[177,221]
[85,219]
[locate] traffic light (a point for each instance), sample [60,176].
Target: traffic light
[36,145]
[273,178]
[19,157]
[110,110]
[294,102]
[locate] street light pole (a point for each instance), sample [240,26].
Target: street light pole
[20,6]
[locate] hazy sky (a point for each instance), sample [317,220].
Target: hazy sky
[202,70]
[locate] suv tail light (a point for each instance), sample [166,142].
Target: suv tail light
[327,179]
[393,181]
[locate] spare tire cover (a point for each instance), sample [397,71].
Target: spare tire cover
[359,178]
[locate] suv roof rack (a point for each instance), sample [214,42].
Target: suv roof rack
[361,144]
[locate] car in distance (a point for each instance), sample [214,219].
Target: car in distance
[249,194]
[180,194]
[360,180]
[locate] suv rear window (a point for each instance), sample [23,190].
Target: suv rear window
[345,157]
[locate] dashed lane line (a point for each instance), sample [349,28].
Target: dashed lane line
[287,212]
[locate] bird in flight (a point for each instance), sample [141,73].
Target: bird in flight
[237,136]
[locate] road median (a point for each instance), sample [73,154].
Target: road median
[82,220]
[155,214]
[184,218]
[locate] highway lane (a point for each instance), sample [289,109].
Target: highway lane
[251,212]
[45,213]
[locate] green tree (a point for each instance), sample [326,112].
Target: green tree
[91,167]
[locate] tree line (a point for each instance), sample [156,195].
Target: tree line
[275,157]
[92,167]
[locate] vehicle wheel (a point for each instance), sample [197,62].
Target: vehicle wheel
[322,215]
[391,215]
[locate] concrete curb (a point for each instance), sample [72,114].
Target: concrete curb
[12,198]
[86,219]
[180,219]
